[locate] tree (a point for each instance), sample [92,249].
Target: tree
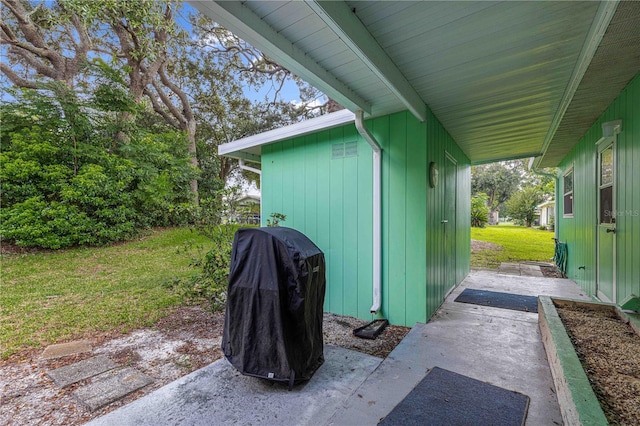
[38,37]
[522,205]
[192,80]
[497,180]
[41,42]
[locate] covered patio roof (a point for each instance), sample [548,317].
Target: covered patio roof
[506,79]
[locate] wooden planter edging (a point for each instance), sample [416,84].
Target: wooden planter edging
[578,403]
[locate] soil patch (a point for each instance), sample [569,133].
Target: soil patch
[187,339]
[551,272]
[483,245]
[609,351]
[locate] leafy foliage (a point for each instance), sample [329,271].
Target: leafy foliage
[209,282]
[276,218]
[497,180]
[479,210]
[66,180]
[522,205]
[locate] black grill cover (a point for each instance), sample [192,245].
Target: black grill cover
[273,320]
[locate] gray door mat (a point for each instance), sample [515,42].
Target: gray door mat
[111,386]
[516,302]
[447,398]
[70,374]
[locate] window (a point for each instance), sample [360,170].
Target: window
[567,188]
[606,185]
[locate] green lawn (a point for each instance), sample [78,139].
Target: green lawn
[53,296]
[518,244]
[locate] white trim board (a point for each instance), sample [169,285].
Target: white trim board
[306,127]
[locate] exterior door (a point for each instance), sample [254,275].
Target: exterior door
[449,219]
[606,227]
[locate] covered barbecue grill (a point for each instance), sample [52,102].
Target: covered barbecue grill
[273,320]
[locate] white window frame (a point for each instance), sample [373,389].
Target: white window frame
[572,192]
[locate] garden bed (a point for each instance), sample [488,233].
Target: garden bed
[594,354]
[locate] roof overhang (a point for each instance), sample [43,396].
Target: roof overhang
[506,79]
[250,148]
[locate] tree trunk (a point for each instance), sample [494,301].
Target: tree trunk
[191,138]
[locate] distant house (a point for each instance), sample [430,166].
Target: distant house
[547,212]
[431,88]
[246,210]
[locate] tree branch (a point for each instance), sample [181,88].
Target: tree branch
[15,78]
[31,34]
[187,113]
[153,97]
[33,61]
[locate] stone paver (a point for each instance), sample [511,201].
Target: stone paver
[509,268]
[522,269]
[70,374]
[64,349]
[111,386]
[530,271]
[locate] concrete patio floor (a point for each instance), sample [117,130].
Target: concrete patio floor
[498,346]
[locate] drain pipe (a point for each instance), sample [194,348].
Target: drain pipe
[243,166]
[377,211]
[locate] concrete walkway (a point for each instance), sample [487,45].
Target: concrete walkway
[494,345]
[498,346]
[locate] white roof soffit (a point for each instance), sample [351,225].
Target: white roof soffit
[249,148]
[338,16]
[241,21]
[598,28]
[615,63]
[506,78]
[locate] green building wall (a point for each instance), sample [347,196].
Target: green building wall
[325,191]
[580,231]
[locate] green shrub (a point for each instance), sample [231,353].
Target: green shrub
[479,210]
[67,182]
[209,282]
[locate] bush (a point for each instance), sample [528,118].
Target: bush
[67,182]
[479,210]
[209,283]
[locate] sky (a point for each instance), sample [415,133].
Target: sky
[289,91]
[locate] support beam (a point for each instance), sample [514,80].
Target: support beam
[240,20]
[342,21]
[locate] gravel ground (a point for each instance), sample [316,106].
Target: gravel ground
[184,341]
[609,351]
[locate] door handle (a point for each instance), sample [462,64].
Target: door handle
[444,221]
[611,230]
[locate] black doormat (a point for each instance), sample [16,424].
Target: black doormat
[447,398]
[516,302]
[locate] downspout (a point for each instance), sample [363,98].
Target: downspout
[243,166]
[377,211]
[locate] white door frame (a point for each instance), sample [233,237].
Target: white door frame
[609,138]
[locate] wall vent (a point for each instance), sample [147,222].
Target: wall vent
[342,150]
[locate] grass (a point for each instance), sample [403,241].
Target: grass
[519,244]
[49,297]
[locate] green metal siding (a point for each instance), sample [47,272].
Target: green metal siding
[330,200]
[580,231]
